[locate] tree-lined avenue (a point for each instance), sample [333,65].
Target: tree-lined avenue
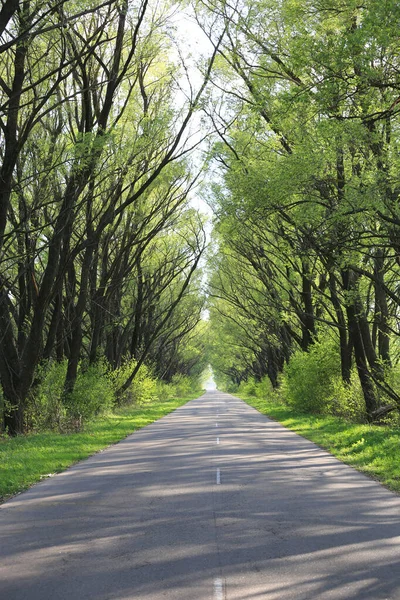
[169,513]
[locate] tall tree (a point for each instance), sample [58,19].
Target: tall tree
[94,169]
[307,149]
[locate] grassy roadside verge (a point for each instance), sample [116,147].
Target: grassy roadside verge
[25,460]
[372,449]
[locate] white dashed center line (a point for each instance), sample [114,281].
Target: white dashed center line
[218,589]
[218,477]
[217,440]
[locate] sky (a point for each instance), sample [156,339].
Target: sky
[194,46]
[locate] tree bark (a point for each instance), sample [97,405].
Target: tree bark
[352,308]
[382,309]
[307,318]
[345,347]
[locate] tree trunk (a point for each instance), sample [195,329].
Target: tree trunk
[307,318]
[76,337]
[345,347]
[54,326]
[381,308]
[350,285]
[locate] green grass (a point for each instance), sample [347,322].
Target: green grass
[372,449]
[26,459]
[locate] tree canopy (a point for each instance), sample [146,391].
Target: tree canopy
[105,129]
[307,204]
[99,245]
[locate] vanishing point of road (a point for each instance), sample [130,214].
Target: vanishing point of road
[212,502]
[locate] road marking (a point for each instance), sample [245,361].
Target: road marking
[217,440]
[218,589]
[218,477]
[216,424]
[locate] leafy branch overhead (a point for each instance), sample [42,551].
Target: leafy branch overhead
[307,201]
[95,174]
[111,122]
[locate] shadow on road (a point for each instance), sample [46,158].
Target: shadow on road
[146,520]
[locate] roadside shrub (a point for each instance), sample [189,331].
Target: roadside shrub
[143,388]
[45,409]
[257,389]
[93,394]
[180,386]
[248,388]
[118,378]
[183,385]
[312,382]
[310,378]
[346,400]
[264,388]
[229,387]
[49,409]
[392,377]
[165,391]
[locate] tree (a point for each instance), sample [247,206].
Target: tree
[307,153]
[94,169]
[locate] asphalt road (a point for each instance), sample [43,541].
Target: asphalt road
[213,502]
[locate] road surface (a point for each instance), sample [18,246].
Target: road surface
[212,502]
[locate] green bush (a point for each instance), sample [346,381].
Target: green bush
[144,388]
[93,393]
[164,391]
[180,386]
[49,409]
[310,377]
[256,389]
[118,378]
[228,386]
[392,378]
[312,383]
[248,388]
[45,409]
[346,400]
[264,388]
